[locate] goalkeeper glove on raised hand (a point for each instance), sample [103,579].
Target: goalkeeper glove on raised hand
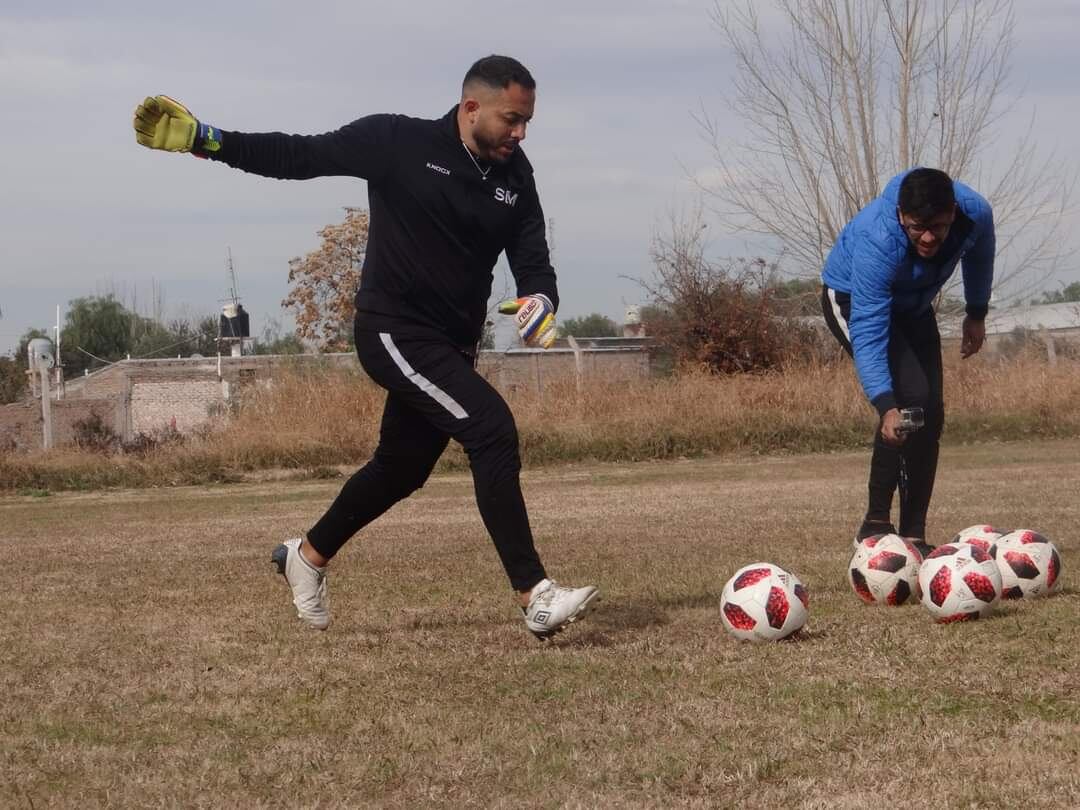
[535,319]
[164,123]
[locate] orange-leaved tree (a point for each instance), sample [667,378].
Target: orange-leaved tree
[324,283]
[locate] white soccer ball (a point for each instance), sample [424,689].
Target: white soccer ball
[959,582]
[763,602]
[1029,563]
[982,535]
[884,570]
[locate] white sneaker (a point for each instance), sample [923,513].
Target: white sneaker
[308,583]
[552,607]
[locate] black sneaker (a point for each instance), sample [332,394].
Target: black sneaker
[871,527]
[923,547]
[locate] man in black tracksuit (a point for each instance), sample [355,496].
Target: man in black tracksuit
[446,197]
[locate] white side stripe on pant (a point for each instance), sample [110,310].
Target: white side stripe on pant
[420,381]
[836,314]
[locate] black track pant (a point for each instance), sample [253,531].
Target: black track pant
[434,394]
[915,365]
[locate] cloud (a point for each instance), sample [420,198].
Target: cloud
[613,140]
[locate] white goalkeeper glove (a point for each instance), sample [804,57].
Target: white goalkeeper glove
[535,319]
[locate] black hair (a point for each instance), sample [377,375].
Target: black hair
[499,72]
[925,193]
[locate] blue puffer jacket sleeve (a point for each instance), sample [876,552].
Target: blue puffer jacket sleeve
[875,258]
[978,263]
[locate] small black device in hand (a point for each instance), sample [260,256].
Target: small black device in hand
[911,419]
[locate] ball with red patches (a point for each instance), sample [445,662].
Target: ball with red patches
[982,535]
[884,570]
[763,602]
[1030,565]
[959,582]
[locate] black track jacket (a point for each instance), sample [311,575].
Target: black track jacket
[437,226]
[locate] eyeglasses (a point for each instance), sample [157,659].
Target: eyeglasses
[916,229]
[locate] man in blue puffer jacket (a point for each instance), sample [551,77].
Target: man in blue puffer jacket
[879,285]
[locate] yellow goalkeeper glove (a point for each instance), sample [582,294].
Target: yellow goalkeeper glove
[164,123]
[535,319]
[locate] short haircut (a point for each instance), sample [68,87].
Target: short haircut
[498,73]
[925,193]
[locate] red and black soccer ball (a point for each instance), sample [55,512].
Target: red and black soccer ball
[959,582]
[884,570]
[764,602]
[1030,565]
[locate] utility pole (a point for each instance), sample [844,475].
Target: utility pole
[59,365]
[46,406]
[41,360]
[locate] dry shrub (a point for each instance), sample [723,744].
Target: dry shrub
[91,433]
[725,316]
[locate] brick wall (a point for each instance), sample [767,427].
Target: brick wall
[21,422]
[181,404]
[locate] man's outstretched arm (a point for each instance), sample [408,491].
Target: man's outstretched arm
[359,149]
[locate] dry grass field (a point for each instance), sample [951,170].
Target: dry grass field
[149,656]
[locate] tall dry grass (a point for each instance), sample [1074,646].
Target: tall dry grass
[311,423]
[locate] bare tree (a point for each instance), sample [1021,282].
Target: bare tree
[324,282]
[857,91]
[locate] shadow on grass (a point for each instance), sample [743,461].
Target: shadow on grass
[615,622]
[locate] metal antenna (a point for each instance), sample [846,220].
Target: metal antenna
[234,290]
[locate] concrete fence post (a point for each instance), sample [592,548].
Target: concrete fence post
[46,406]
[579,360]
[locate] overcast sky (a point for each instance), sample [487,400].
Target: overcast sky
[86,211]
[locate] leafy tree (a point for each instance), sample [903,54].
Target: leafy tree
[591,325]
[96,328]
[325,282]
[286,344]
[13,380]
[155,340]
[1068,293]
[849,93]
[100,329]
[273,341]
[195,336]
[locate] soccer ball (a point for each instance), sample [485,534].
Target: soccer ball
[884,569]
[982,535]
[1029,564]
[958,582]
[763,602]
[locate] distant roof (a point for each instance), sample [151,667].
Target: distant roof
[1033,318]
